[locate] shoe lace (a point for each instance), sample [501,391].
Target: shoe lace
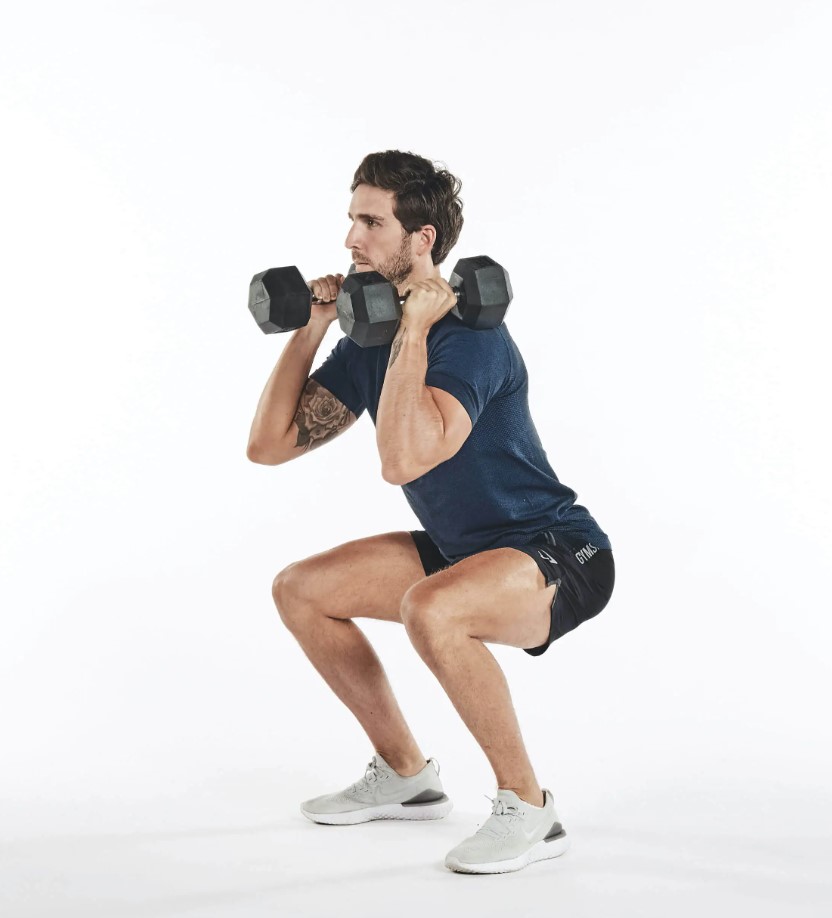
[499,827]
[501,808]
[372,775]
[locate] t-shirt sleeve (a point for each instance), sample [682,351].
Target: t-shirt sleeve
[335,374]
[472,365]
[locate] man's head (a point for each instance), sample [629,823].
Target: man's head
[406,215]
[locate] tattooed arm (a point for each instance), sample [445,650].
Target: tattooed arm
[296,414]
[320,418]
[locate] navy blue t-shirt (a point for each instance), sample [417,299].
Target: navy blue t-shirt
[499,488]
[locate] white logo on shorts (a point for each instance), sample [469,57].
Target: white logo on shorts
[585,553]
[547,556]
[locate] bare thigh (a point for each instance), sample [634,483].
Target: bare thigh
[365,578]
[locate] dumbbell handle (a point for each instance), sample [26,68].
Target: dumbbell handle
[402,299]
[317,301]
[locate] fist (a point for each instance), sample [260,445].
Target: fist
[427,301]
[325,290]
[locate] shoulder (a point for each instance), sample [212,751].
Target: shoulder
[451,334]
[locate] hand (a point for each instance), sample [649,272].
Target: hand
[326,290]
[427,301]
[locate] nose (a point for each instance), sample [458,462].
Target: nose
[352,236]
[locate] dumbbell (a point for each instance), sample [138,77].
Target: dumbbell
[280,299]
[369,306]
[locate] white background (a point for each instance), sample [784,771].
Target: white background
[656,178]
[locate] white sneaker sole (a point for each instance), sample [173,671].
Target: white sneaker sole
[386,811]
[540,852]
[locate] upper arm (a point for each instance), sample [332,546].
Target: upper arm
[458,427]
[457,423]
[319,418]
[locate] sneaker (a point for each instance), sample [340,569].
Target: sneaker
[515,835]
[383,794]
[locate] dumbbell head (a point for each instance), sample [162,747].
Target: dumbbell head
[279,300]
[368,308]
[485,292]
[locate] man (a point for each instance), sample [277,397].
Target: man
[505,557]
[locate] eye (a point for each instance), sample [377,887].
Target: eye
[372,223]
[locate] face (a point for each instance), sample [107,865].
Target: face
[376,239]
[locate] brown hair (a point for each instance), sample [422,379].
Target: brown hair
[423,195]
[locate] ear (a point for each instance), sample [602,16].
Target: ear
[425,237]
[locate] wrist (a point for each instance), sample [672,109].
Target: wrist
[413,329]
[320,321]
[315,329]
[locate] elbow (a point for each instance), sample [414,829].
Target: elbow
[400,476]
[391,476]
[394,476]
[397,474]
[256,453]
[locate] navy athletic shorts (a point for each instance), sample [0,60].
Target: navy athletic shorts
[585,576]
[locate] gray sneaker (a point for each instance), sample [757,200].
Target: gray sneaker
[382,794]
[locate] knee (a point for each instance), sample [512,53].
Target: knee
[288,593]
[421,615]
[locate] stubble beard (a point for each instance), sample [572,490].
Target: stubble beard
[398,267]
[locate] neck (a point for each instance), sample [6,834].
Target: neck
[420,272]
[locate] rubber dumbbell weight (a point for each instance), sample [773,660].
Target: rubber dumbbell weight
[280,299]
[370,308]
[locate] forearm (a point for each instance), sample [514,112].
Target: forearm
[409,426]
[279,401]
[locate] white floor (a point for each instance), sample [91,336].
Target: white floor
[234,845]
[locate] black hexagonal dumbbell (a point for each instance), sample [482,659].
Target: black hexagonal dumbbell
[369,306]
[280,299]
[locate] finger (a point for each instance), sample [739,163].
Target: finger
[330,287]
[320,289]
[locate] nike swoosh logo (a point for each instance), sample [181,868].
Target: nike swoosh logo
[530,836]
